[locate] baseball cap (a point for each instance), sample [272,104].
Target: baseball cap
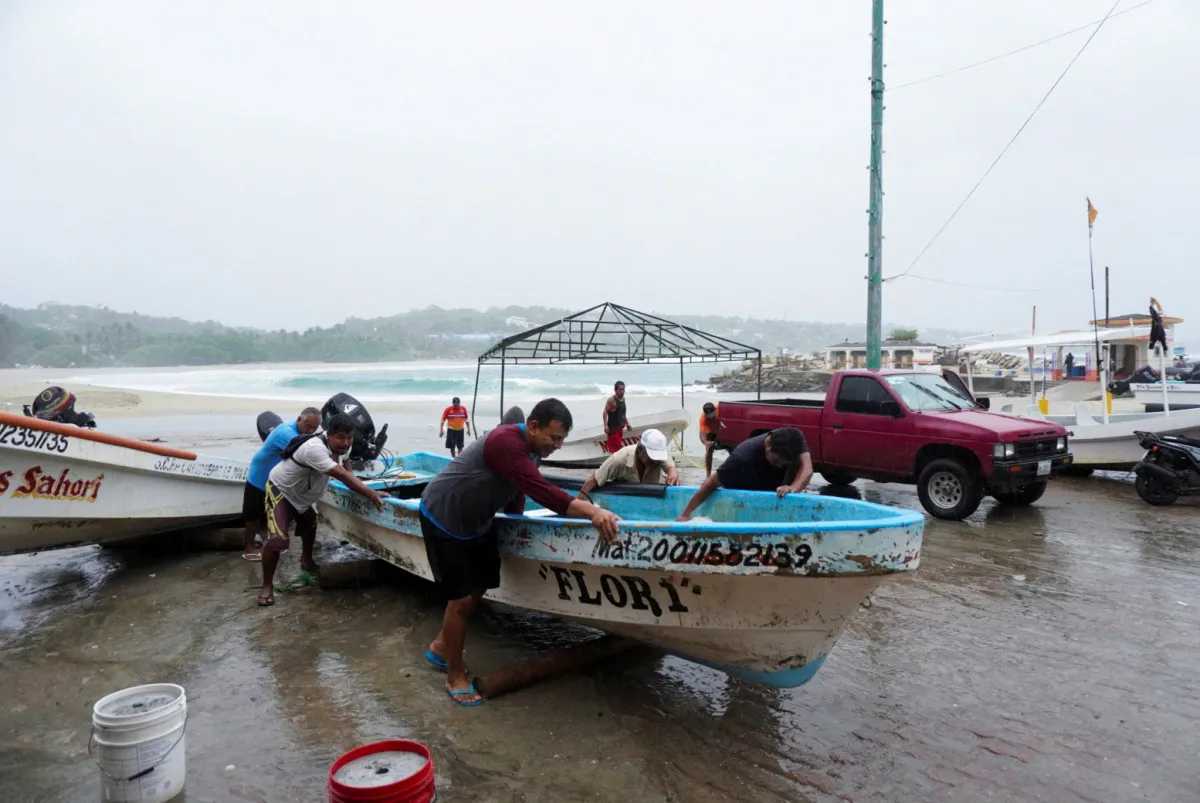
[655,444]
[709,409]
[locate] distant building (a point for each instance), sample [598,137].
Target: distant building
[517,323]
[896,354]
[1129,354]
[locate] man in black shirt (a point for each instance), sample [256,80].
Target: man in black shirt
[778,461]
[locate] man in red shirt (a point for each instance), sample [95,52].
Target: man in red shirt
[455,419]
[615,420]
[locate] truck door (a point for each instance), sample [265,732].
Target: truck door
[858,435]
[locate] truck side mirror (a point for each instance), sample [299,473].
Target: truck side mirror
[891,408]
[985,403]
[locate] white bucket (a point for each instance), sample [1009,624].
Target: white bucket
[140,746]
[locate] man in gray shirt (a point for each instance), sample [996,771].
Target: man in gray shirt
[294,486]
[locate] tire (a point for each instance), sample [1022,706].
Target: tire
[838,478]
[1022,497]
[949,490]
[1153,492]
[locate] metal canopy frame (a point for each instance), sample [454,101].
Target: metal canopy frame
[612,334]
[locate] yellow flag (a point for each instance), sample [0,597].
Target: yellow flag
[1091,213]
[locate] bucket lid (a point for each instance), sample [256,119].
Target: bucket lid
[138,701]
[380,769]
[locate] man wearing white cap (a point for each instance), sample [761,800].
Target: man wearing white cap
[645,462]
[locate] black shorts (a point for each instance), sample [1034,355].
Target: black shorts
[455,438]
[461,566]
[254,504]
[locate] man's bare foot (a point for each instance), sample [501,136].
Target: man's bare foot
[309,566]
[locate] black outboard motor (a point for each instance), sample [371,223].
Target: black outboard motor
[367,444]
[56,404]
[1143,375]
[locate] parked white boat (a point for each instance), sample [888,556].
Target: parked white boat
[587,447]
[1180,395]
[61,485]
[762,591]
[1113,446]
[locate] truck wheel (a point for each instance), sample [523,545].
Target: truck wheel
[949,490]
[1022,497]
[838,478]
[1153,491]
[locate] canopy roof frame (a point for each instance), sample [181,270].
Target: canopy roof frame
[612,334]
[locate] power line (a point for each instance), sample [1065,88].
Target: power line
[1006,148]
[1018,50]
[988,287]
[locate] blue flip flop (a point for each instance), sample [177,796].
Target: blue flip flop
[437,661]
[454,695]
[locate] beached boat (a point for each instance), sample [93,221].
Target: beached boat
[587,447]
[1179,395]
[762,591]
[61,485]
[1112,445]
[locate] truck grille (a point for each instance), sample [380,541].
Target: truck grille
[1039,448]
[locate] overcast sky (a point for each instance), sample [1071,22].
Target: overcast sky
[292,162]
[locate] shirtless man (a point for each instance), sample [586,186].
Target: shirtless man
[615,421]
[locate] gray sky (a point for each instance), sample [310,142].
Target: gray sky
[290,162]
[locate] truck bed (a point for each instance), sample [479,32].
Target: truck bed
[817,403]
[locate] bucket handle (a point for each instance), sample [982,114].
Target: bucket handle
[148,770]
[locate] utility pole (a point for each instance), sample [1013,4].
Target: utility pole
[875,212]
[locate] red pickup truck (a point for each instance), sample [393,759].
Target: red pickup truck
[913,427]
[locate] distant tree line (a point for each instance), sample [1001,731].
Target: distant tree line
[61,336]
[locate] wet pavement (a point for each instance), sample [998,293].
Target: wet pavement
[1046,653]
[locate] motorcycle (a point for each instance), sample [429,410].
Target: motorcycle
[1170,468]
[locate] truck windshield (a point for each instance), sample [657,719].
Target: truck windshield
[928,392]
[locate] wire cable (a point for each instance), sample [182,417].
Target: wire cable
[1006,148]
[1055,38]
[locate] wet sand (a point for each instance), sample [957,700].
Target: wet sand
[1039,654]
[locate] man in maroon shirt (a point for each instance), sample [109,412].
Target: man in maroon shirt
[457,514]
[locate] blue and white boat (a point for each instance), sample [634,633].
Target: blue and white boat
[758,587]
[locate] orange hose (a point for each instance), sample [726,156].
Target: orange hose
[29,422]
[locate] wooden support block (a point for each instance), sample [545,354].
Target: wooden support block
[519,675]
[352,573]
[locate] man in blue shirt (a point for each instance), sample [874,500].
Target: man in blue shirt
[254,497]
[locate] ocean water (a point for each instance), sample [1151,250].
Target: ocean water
[406,382]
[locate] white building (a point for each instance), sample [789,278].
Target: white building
[896,354]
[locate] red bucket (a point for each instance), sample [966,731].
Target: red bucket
[391,771]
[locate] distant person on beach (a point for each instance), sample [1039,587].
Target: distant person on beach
[710,431]
[615,420]
[254,496]
[778,461]
[457,514]
[644,462]
[454,420]
[1068,364]
[297,482]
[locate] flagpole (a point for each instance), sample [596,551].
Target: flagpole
[1092,271]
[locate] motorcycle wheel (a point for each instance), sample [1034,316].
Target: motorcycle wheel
[1154,492]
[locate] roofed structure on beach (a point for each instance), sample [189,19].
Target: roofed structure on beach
[610,333]
[894,354]
[613,334]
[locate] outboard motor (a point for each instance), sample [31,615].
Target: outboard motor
[1143,375]
[367,444]
[56,404]
[266,423]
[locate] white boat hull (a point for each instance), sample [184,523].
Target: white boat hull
[1113,446]
[587,447]
[60,488]
[1180,395]
[766,605]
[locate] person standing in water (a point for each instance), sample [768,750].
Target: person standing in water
[454,420]
[615,420]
